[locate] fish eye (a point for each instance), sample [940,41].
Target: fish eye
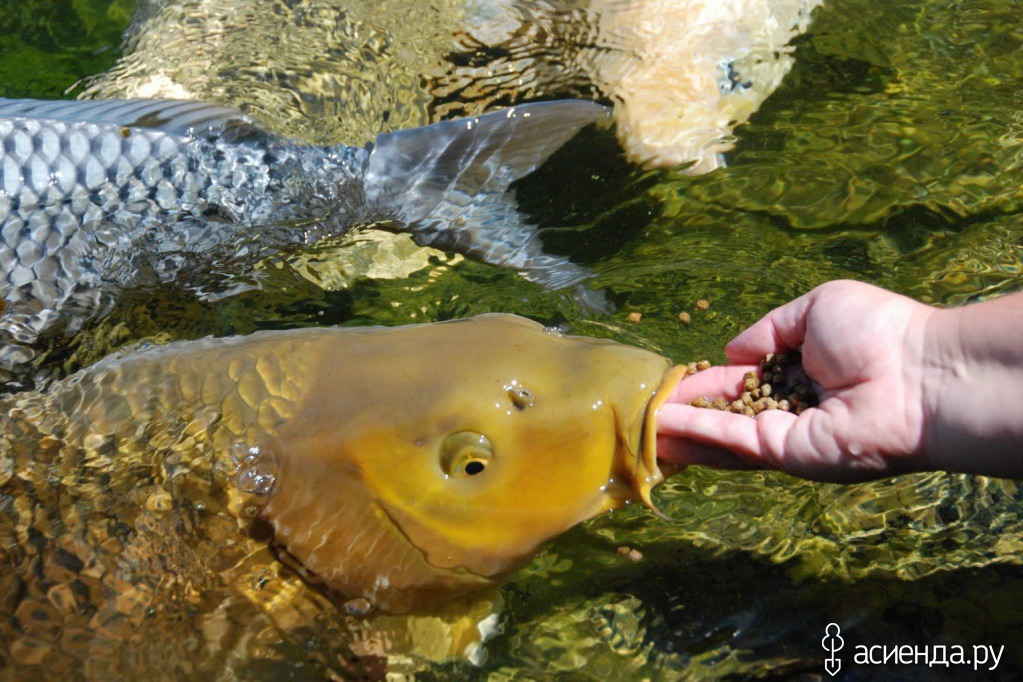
[465,453]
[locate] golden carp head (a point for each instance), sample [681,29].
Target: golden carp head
[424,462]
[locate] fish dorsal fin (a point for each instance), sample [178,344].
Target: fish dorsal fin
[174,116]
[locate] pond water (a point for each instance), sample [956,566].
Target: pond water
[891,153]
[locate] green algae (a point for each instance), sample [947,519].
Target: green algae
[47,46]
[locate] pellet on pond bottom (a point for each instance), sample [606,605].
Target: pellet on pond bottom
[630,552]
[359,606]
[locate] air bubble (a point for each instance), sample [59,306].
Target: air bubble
[256,478]
[253,471]
[241,452]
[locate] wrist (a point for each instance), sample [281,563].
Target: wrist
[943,366]
[972,387]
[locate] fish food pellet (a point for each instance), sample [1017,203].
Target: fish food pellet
[684,317]
[703,304]
[635,317]
[359,606]
[784,386]
[631,553]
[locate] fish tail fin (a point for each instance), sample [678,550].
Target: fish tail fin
[447,183]
[414,170]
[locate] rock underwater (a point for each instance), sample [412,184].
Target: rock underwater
[152,504]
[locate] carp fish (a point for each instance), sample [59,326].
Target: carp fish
[399,467]
[97,196]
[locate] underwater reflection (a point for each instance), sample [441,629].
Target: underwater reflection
[682,75]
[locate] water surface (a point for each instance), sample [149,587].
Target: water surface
[891,154]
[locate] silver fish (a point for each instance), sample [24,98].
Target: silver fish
[100,195]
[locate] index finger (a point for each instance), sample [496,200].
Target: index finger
[780,330]
[725,382]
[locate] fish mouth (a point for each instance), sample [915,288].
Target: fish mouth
[645,472]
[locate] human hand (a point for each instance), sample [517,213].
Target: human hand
[862,346]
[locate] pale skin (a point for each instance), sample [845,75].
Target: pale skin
[903,387]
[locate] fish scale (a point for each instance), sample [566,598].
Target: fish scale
[96,195]
[126,175]
[76,196]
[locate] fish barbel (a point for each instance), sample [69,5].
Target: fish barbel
[406,466]
[96,196]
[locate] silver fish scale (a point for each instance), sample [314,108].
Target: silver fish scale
[58,177]
[81,203]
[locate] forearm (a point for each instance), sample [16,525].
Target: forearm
[973,388]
